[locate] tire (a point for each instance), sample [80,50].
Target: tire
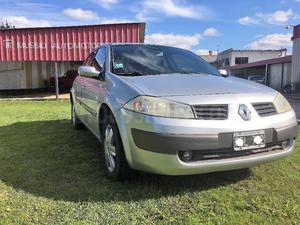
[77,124]
[116,166]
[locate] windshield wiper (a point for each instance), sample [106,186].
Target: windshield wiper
[135,73]
[192,72]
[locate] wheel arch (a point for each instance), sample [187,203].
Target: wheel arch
[71,98]
[72,95]
[105,110]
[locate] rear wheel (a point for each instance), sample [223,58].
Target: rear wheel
[74,119]
[116,166]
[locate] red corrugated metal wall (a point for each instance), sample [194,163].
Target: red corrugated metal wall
[297,31]
[64,43]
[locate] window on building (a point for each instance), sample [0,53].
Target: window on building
[227,62]
[241,60]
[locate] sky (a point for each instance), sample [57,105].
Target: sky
[195,25]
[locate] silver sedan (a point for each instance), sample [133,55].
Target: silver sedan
[165,110]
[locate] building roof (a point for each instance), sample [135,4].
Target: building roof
[72,43]
[280,60]
[253,50]
[70,26]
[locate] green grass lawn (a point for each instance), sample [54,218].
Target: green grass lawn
[52,174]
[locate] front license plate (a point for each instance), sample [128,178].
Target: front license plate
[248,140]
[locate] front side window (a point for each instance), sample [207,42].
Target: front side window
[100,59]
[137,60]
[89,59]
[96,59]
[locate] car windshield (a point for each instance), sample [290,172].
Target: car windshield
[140,60]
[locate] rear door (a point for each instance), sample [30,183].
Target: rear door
[77,97]
[79,85]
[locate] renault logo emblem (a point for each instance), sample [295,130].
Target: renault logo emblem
[244,112]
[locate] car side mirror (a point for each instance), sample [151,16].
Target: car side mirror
[89,71]
[223,72]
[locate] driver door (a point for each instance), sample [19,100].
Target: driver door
[93,91]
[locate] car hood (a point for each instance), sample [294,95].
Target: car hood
[193,84]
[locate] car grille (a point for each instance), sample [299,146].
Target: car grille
[211,112]
[265,109]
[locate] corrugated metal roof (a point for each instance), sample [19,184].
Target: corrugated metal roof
[64,43]
[253,50]
[285,59]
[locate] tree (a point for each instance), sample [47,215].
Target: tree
[6,25]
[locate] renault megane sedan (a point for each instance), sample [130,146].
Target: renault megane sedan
[165,110]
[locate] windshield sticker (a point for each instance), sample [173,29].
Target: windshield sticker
[118,65]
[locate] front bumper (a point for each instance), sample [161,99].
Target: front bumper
[153,144]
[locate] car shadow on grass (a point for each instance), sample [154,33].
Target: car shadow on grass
[51,159]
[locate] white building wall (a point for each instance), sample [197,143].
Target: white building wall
[35,75]
[29,75]
[296,61]
[275,76]
[44,71]
[287,73]
[12,75]
[280,75]
[254,56]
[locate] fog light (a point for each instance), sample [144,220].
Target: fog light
[284,144]
[257,140]
[239,142]
[187,156]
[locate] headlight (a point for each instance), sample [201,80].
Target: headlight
[281,104]
[160,107]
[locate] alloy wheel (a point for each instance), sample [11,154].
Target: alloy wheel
[109,148]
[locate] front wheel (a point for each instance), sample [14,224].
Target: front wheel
[116,166]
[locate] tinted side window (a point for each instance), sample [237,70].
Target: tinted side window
[100,58]
[96,59]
